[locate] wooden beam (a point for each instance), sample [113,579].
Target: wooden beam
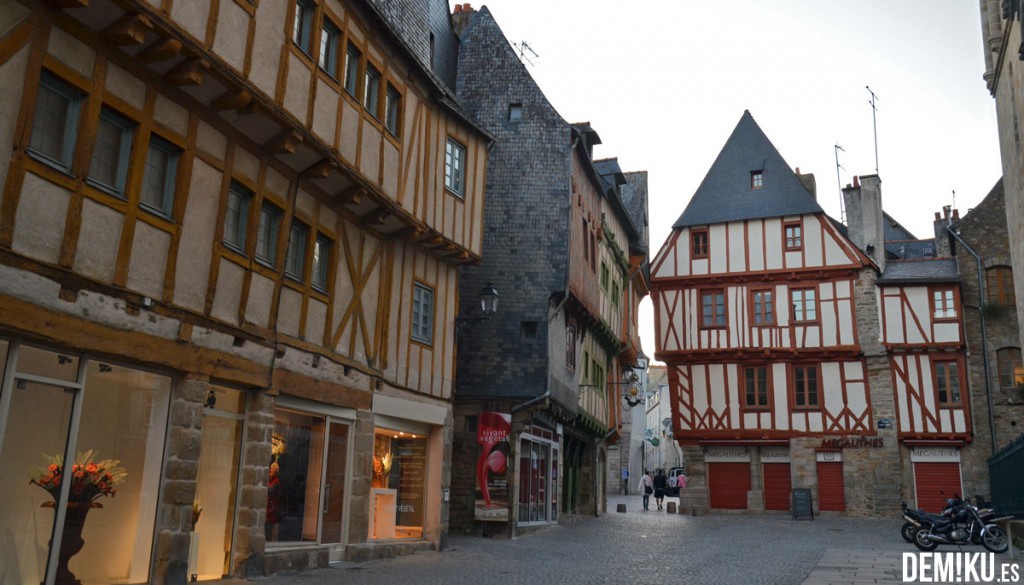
[67,3]
[285,142]
[161,50]
[377,216]
[320,170]
[410,234]
[352,195]
[232,100]
[253,107]
[188,72]
[130,29]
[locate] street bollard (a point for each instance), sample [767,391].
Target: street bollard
[670,507]
[620,508]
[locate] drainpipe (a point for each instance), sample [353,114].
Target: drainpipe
[984,335]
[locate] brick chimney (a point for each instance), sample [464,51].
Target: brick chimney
[864,219]
[462,15]
[809,182]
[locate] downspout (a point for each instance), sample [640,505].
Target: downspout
[984,336]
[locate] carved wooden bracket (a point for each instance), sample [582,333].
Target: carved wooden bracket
[188,72]
[130,29]
[232,100]
[285,142]
[161,50]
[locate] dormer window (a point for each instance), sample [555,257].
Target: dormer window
[756,179]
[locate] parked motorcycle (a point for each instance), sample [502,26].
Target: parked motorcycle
[962,525]
[916,518]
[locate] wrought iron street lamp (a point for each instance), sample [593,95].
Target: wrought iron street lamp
[488,304]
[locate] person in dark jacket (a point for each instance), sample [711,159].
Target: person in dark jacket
[660,483]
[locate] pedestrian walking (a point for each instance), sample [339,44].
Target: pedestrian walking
[660,483]
[646,488]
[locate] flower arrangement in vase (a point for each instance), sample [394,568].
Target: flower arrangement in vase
[91,479]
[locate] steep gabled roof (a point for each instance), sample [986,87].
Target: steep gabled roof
[726,194]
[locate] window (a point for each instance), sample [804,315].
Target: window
[528,329]
[371,91]
[1011,367]
[392,110]
[757,179]
[352,57]
[108,169]
[756,387]
[423,314]
[794,236]
[158,179]
[712,308]
[321,262]
[604,277]
[266,237]
[455,167]
[515,112]
[399,464]
[805,386]
[329,48]
[237,216]
[999,286]
[942,304]
[947,383]
[805,308]
[55,122]
[295,256]
[586,240]
[570,346]
[303,25]
[615,293]
[699,244]
[597,379]
[762,307]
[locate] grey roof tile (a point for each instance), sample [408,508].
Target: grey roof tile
[920,271]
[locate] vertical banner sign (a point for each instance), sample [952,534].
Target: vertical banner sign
[492,466]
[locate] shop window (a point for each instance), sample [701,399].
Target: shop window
[56,122]
[1010,366]
[158,179]
[397,485]
[120,415]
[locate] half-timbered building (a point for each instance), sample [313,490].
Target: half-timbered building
[563,247]
[799,354]
[230,242]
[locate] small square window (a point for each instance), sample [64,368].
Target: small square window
[108,169]
[371,91]
[266,237]
[295,256]
[56,122]
[455,167]
[943,304]
[392,110]
[423,314]
[805,307]
[329,37]
[158,179]
[528,329]
[515,112]
[321,262]
[756,179]
[237,216]
[352,58]
[947,383]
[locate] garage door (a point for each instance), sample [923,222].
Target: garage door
[729,484]
[831,488]
[931,480]
[777,486]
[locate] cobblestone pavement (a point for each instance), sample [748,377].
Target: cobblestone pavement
[651,547]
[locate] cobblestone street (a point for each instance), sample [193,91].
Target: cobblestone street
[652,547]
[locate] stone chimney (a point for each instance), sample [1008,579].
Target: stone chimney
[462,15]
[809,182]
[864,219]
[943,241]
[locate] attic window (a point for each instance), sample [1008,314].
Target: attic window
[515,112]
[756,179]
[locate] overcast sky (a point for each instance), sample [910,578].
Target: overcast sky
[664,83]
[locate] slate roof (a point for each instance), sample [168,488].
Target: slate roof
[634,199]
[726,195]
[920,271]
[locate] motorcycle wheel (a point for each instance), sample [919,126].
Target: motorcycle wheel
[907,532]
[922,541]
[995,539]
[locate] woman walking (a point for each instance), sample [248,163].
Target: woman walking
[646,488]
[660,483]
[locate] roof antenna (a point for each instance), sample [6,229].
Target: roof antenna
[874,123]
[842,210]
[523,47]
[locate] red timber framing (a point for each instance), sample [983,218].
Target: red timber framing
[918,410]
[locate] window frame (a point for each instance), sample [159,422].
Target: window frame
[1010,365]
[302,25]
[72,115]
[330,41]
[716,292]
[698,249]
[945,363]
[948,303]
[353,68]
[418,331]
[275,215]
[245,196]
[766,379]
[515,112]
[455,167]
[392,110]
[797,392]
[372,79]
[757,179]
[173,152]
[755,303]
[295,251]
[793,292]
[570,346]
[320,270]
[999,279]
[126,127]
[793,242]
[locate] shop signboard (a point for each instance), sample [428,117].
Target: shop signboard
[492,466]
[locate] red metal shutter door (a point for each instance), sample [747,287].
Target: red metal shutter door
[931,480]
[729,483]
[777,486]
[831,487]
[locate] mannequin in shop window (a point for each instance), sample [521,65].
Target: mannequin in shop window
[275,495]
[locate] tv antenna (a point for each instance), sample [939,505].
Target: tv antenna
[523,47]
[842,210]
[874,123]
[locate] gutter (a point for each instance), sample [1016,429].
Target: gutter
[984,335]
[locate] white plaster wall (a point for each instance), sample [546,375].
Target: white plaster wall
[392,168]
[349,140]
[266,46]
[192,16]
[276,183]
[170,114]
[369,161]
[289,312]
[305,203]
[229,291]
[296,97]
[812,234]
[39,221]
[316,321]
[195,247]
[773,233]
[261,297]
[148,266]
[10,101]
[125,86]
[780,385]
[71,51]
[325,114]
[232,34]
[737,237]
[212,142]
[246,165]
[99,241]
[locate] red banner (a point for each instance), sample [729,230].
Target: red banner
[492,466]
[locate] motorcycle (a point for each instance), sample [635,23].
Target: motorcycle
[963,525]
[916,518]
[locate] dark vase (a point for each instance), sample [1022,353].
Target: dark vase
[71,541]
